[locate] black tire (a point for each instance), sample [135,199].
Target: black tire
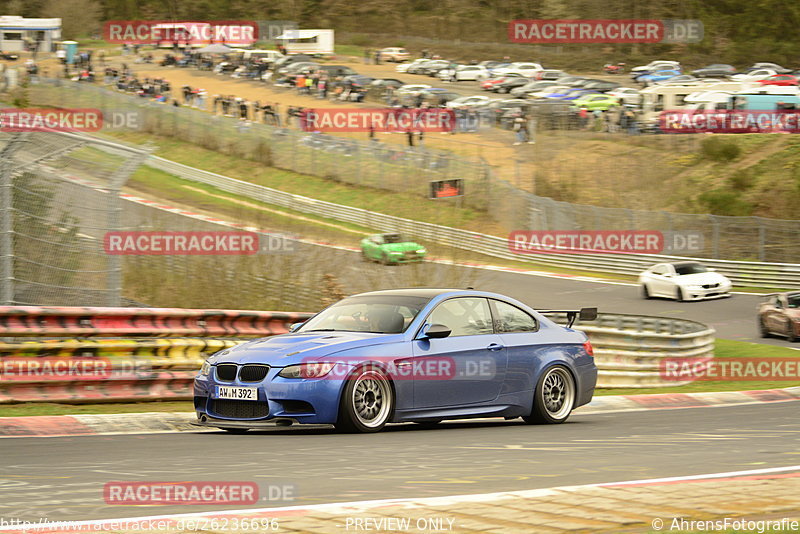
[554,398]
[364,256]
[790,335]
[367,401]
[385,259]
[236,430]
[679,295]
[646,292]
[762,328]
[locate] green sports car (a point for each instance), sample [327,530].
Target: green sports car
[391,248]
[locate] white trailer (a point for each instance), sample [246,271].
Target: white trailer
[668,97]
[311,42]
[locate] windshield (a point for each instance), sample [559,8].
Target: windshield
[793,300]
[380,314]
[690,268]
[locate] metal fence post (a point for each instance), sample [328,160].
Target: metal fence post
[7,219]
[714,237]
[762,240]
[116,181]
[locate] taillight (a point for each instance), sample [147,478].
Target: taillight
[587,346]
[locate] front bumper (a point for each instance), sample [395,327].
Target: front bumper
[706,294]
[307,401]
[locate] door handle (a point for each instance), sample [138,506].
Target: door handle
[495,346]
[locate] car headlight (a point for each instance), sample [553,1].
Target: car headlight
[205,368]
[395,252]
[421,251]
[307,370]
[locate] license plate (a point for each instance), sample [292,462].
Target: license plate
[227,392]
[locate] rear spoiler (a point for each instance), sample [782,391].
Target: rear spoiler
[584,314]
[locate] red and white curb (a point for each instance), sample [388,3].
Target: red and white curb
[166,523]
[165,422]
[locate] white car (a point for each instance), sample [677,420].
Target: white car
[412,89]
[469,102]
[754,75]
[683,280]
[403,67]
[527,70]
[658,64]
[627,95]
[395,54]
[464,72]
[553,89]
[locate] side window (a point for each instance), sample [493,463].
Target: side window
[512,319]
[660,270]
[463,316]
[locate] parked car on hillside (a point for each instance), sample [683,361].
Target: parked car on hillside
[717,70]
[532,87]
[509,84]
[405,67]
[627,95]
[780,79]
[658,64]
[463,73]
[753,75]
[524,69]
[489,83]
[595,102]
[395,54]
[657,76]
[772,66]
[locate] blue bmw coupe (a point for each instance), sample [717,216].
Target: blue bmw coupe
[421,355]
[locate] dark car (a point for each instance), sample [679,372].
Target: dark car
[422,355]
[532,87]
[432,67]
[717,70]
[774,66]
[388,82]
[601,86]
[337,70]
[358,81]
[779,314]
[509,84]
[288,60]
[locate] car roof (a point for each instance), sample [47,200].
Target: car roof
[430,293]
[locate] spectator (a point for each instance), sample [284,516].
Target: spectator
[520,128]
[377,57]
[367,54]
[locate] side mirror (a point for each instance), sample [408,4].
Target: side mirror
[435,331]
[293,327]
[588,314]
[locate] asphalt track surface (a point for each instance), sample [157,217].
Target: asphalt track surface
[63,478]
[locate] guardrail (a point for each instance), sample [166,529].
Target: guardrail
[774,275]
[628,349]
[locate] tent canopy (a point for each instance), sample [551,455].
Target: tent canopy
[215,49]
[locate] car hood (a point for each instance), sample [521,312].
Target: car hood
[700,279]
[409,246]
[289,349]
